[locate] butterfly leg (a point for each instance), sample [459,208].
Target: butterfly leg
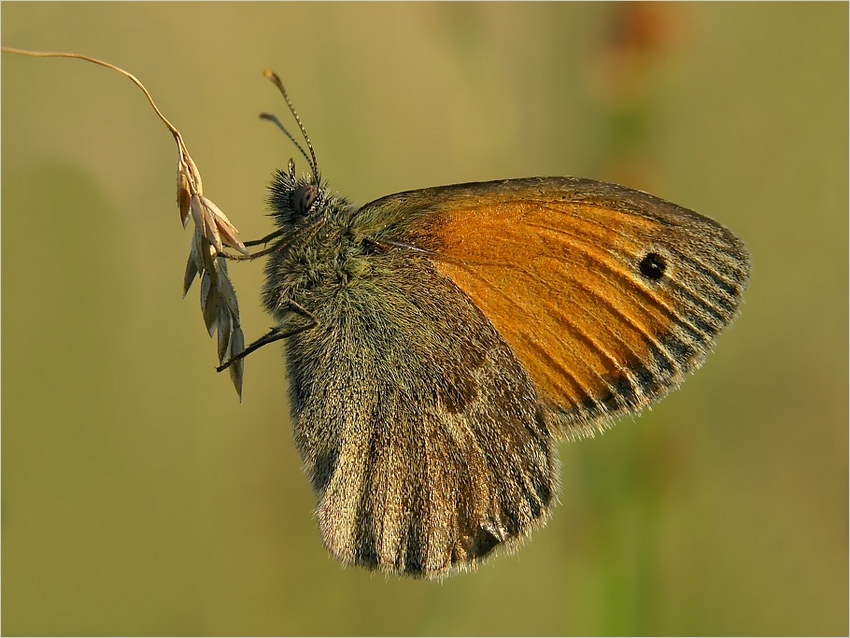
[287,328]
[257,242]
[264,240]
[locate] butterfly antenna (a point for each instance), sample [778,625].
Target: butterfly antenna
[314,164]
[271,117]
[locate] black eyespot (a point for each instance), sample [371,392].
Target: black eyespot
[303,198]
[653,266]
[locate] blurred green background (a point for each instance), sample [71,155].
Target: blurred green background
[140,497]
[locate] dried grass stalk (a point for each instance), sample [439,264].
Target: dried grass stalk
[212,232]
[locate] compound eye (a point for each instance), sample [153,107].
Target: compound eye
[303,198]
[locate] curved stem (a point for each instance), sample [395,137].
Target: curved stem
[130,76]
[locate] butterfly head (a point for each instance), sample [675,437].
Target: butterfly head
[295,198]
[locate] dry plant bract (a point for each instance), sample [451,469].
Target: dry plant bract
[213,231]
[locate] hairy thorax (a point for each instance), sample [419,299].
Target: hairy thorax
[326,258]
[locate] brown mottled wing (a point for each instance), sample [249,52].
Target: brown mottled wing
[608,296]
[419,428]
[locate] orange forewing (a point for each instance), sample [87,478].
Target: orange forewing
[555,281]
[555,265]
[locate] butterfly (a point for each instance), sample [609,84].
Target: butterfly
[441,342]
